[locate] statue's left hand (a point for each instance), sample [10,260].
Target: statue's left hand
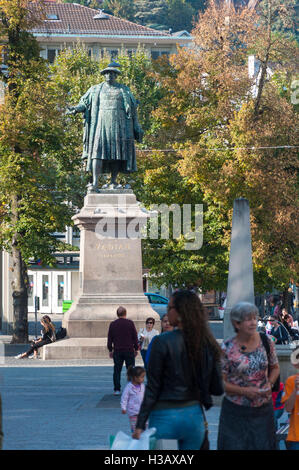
[139,134]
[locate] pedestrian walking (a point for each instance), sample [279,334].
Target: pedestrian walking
[145,335]
[290,398]
[132,395]
[247,415]
[122,344]
[182,375]
[48,336]
[165,326]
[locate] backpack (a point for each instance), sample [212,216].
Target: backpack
[266,345]
[60,333]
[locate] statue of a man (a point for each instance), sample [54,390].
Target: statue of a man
[110,128]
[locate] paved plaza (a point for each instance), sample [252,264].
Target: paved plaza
[65,405]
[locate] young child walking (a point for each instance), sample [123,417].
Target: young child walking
[133,393]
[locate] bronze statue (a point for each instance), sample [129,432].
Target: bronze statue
[110,127]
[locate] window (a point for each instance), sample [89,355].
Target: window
[51,55]
[52,17]
[113,54]
[130,52]
[155,55]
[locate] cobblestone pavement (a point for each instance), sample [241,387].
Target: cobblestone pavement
[64,407]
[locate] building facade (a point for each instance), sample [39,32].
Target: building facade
[68,24]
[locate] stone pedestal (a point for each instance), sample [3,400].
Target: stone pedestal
[284,352]
[240,286]
[110,274]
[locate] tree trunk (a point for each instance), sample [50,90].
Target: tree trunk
[20,298]
[19,285]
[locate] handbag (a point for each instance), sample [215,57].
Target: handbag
[206,443]
[264,339]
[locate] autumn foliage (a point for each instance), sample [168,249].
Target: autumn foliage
[236,135]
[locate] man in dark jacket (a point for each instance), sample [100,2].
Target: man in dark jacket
[122,345]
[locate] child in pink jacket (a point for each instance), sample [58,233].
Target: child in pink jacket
[133,393]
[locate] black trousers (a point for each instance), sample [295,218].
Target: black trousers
[119,357]
[35,346]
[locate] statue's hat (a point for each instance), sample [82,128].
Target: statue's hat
[112,67]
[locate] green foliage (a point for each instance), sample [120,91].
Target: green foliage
[157,182]
[180,15]
[121,8]
[210,118]
[86,3]
[151,13]
[283,14]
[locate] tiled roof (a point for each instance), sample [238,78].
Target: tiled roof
[78,19]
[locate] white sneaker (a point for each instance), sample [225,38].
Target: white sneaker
[31,357]
[19,356]
[116,393]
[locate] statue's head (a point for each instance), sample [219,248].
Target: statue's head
[111,72]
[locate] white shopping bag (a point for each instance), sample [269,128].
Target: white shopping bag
[124,442]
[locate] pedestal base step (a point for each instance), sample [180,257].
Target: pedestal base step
[76,348]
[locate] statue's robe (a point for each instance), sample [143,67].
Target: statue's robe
[110,126]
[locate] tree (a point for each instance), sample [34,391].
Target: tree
[235,143]
[151,13]
[32,192]
[86,3]
[159,182]
[120,8]
[180,15]
[41,175]
[283,16]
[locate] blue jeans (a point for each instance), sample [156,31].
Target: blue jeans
[292,445]
[184,424]
[143,355]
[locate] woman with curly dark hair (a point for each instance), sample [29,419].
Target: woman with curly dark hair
[183,372]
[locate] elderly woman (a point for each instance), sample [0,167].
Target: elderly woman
[247,416]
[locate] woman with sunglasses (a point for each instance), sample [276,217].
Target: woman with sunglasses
[145,336]
[183,372]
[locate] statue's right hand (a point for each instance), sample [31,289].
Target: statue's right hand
[70,110]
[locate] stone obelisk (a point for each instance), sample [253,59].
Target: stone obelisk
[240,286]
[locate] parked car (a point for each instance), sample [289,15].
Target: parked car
[221,310]
[158,303]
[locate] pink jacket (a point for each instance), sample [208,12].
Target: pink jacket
[131,398]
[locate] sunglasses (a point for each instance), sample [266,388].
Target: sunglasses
[149,322]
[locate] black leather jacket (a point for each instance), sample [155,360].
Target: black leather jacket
[169,376]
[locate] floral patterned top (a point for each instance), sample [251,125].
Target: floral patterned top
[247,369]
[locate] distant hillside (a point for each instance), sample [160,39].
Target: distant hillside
[176,15]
